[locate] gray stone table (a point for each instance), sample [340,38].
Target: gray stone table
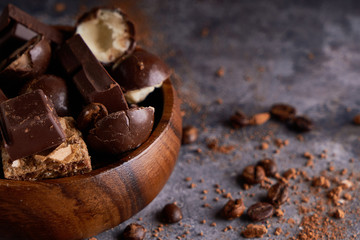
[305,53]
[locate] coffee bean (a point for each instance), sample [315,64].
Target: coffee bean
[233,209]
[253,174]
[278,194]
[90,115]
[239,120]
[260,211]
[134,231]
[282,112]
[269,166]
[301,124]
[190,134]
[171,213]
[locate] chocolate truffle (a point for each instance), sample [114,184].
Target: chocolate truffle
[108,33]
[122,131]
[25,63]
[55,88]
[139,74]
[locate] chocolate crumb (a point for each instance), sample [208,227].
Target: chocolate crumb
[254,231]
[190,135]
[278,231]
[338,214]
[220,72]
[259,118]
[60,7]
[134,231]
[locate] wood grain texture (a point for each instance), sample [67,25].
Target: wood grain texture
[83,206]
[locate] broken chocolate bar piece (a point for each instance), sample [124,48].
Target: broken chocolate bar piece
[68,159]
[12,14]
[29,124]
[90,77]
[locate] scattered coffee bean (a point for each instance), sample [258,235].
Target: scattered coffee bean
[239,120]
[301,124]
[233,209]
[260,211]
[278,194]
[90,115]
[253,174]
[171,213]
[283,112]
[356,119]
[134,231]
[269,166]
[190,134]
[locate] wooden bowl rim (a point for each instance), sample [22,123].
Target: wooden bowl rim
[168,105]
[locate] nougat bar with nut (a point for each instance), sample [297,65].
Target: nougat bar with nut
[70,158]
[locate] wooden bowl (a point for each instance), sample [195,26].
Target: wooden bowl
[82,206]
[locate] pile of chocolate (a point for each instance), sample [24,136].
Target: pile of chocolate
[51,75]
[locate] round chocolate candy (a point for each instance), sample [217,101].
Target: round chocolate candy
[139,74]
[108,33]
[55,88]
[27,62]
[121,131]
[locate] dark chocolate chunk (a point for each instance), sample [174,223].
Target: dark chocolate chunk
[171,213]
[90,77]
[121,131]
[233,209]
[12,14]
[25,63]
[29,124]
[141,69]
[282,112]
[90,115]
[108,32]
[55,88]
[260,211]
[278,194]
[134,231]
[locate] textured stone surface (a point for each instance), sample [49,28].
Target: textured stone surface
[305,53]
